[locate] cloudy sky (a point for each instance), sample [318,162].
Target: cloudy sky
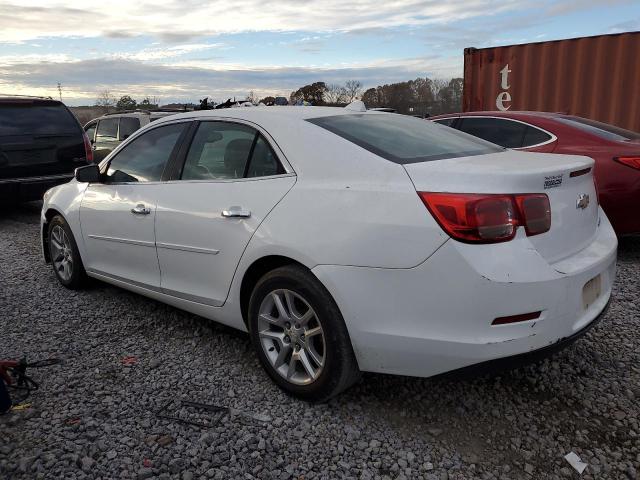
[183,50]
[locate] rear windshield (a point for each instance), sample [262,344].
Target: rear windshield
[39,118]
[602,130]
[403,139]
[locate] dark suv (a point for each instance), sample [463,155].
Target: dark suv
[41,144]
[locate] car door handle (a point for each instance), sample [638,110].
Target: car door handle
[236,212]
[140,209]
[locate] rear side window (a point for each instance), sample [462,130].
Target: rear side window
[263,160]
[108,128]
[599,129]
[402,139]
[128,125]
[502,132]
[38,118]
[534,136]
[219,150]
[445,121]
[222,150]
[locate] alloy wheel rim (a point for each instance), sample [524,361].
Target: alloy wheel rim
[291,337]
[61,253]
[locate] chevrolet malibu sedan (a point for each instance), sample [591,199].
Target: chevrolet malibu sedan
[343,240]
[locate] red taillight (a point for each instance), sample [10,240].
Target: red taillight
[535,212]
[631,161]
[490,218]
[88,152]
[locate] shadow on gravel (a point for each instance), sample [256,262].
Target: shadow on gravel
[21,212]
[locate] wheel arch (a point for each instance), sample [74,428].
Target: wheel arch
[48,215]
[255,272]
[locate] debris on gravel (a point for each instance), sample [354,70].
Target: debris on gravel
[95,415]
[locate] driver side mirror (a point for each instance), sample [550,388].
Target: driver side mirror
[88,174]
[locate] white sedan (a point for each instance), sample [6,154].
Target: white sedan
[343,240]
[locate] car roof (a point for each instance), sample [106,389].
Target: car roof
[498,113]
[149,113]
[265,112]
[26,99]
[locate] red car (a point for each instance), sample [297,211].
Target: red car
[615,150]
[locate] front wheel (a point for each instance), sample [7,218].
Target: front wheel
[300,336]
[64,254]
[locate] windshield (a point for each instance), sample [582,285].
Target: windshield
[39,118]
[602,130]
[402,139]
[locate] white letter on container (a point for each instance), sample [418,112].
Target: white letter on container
[501,98]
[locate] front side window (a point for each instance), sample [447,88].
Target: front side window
[108,128]
[222,150]
[144,159]
[128,125]
[402,139]
[505,133]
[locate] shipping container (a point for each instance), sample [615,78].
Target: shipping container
[593,77]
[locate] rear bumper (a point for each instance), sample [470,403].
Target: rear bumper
[25,189]
[515,361]
[436,317]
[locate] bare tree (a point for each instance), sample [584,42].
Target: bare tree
[253,98]
[105,99]
[334,94]
[353,89]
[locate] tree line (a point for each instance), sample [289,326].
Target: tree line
[422,96]
[108,101]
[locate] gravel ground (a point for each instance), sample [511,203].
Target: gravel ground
[95,416]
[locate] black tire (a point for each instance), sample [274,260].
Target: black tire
[78,278]
[340,368]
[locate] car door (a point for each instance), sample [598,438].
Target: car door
[106,139]
[117,215]
[230,180]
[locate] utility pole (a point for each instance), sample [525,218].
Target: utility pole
[60,90]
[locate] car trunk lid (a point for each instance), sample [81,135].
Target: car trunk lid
[566,180]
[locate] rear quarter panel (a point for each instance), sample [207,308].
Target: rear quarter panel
[348,207]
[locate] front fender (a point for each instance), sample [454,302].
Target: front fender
[63,200]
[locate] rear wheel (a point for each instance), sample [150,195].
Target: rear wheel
[300,336]
[64,254]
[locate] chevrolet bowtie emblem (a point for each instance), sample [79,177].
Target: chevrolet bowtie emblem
[583,201]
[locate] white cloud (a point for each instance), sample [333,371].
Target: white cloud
[153,54]
[85,78]
[30,58]
[184,19]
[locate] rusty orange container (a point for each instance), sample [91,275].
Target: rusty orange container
[593,77]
